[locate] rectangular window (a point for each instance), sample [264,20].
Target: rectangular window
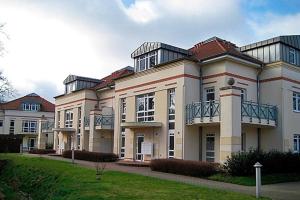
[29,126]
[171,131]
[292,56]
[210,147]
[1,123]
[147,61]
[145,107]
[123,110]
[68,119]
[243,142]
[297,143]
[243,95]
[296,102]
[79,118]
[122,151]
[58,119]
[78,140]
[12,127]
[70,87]
[210,94]
[31,107]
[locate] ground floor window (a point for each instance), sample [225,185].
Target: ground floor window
[122,151]
[171,144]
[139,140]
[243,142]
[31,143]
[210,147]
[297,143]
[78,140]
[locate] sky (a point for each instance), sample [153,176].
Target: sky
[46,40]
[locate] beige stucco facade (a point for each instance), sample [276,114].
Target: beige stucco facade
[29,138]
[204,130]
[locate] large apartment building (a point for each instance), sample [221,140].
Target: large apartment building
[202,103]
[24,118]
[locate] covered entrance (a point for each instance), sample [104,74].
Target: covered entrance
[139,155]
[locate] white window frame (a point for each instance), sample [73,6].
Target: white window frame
[31,107]
[296,101]
[243,94]
[147,114]
[296,143]
[12,128]
[29,126]
[292,52]
[146,58]
[210,158]
[71,87]
[123,110]
[122,149]
[171,118]
[69,118]
[210,90]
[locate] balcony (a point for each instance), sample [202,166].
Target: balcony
[209,112]
[104,122]
[101,122]
[47,126]
[260,114]
[205,112]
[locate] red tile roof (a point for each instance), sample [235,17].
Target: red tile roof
[215,47]
[16,104]
[109,80]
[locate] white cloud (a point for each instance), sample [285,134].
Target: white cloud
[142,11]
[275,25]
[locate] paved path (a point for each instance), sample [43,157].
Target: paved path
[280,191]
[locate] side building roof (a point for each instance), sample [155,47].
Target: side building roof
[16,104]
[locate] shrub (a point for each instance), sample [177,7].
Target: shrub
[91,156]
[42,151]
[241,164]
[184,167]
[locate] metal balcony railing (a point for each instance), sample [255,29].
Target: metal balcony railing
[104,120]
[201,110]
[47,125]
[259,111]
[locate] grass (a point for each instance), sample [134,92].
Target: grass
[52,179]
[250,180]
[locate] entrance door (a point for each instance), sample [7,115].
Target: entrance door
[210,147]
[31,143]
[139,155]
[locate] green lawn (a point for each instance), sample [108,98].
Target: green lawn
[50,179]
[250,181]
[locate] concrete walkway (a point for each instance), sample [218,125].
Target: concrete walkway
[280,191]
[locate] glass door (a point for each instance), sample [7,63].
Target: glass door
[139,141]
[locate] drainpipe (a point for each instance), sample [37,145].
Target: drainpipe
[258,102]
[201,99]
[183,120]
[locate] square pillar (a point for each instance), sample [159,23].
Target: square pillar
[94,137]
[230,125]
[41,140]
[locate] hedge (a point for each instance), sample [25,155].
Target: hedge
[91,156]
[42,151]
[185,167]
[241,164]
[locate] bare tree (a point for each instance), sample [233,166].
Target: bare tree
[6,90]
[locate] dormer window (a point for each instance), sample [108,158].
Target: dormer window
[70,87]
[31,107]
[292,56]
[147,61]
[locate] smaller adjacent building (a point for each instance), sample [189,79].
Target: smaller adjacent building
[23,118]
